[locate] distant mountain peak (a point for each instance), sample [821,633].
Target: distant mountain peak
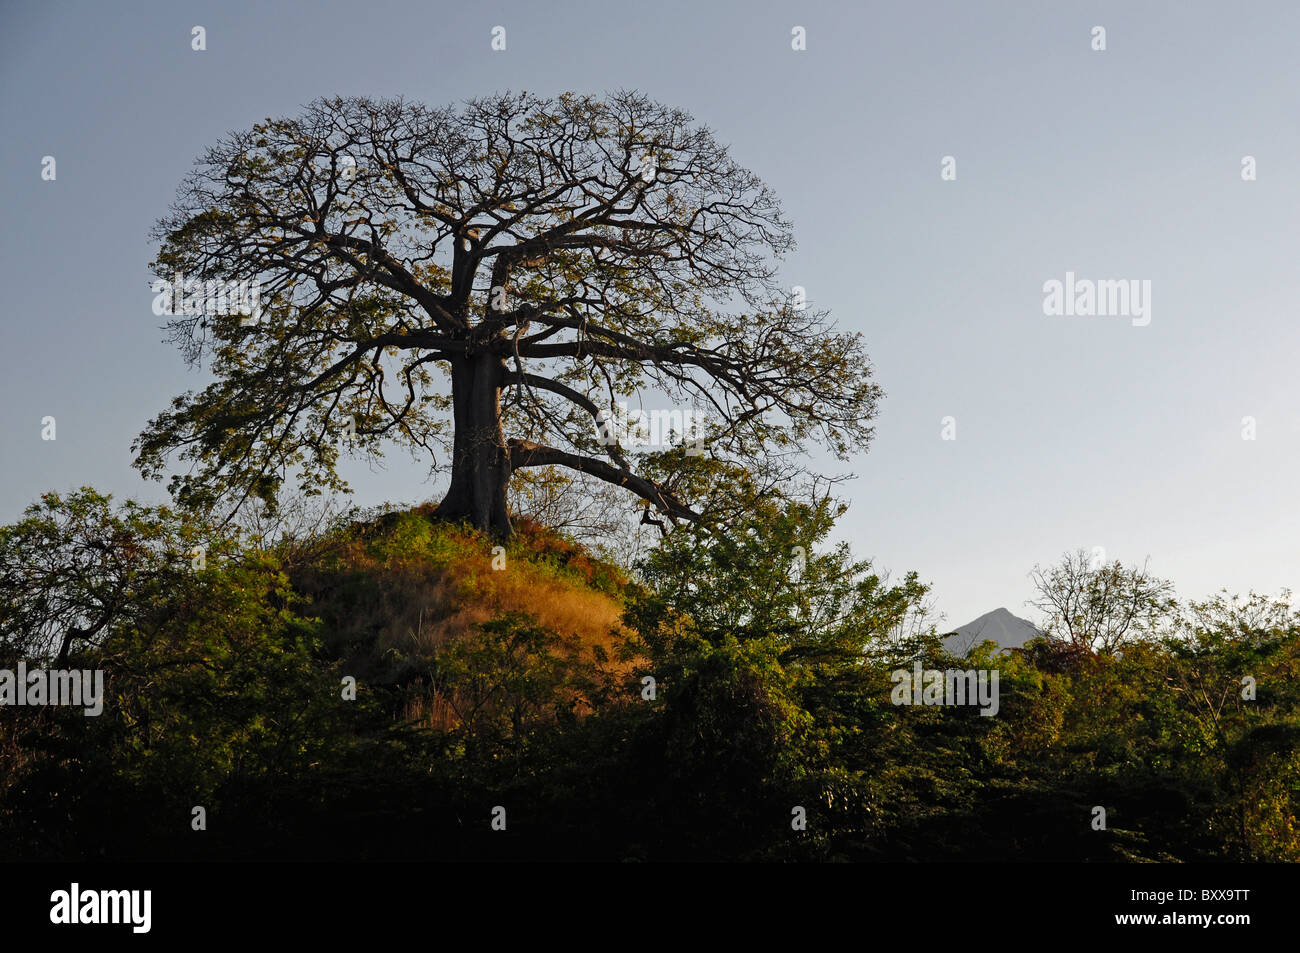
[1001,626]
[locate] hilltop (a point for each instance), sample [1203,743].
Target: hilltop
[394,592]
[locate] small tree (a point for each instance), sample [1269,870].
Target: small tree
[1097,606]
[1229,617]
[75,567]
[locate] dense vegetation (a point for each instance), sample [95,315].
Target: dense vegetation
[516,677]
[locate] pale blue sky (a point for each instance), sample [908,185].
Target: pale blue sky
[1070,431]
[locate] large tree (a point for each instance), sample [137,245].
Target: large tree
[551,257]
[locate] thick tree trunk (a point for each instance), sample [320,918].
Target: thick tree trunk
[480,471]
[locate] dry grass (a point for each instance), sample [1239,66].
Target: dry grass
[411,585]
[468,595]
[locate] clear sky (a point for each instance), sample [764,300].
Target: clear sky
[1117,164]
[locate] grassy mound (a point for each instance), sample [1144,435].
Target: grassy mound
[397,593]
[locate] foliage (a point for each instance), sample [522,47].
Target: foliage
[743,677]
[485,285]
[1094,605]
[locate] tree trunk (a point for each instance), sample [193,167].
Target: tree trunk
[480,468]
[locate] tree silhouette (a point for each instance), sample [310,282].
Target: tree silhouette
[487,284]
[1098,606]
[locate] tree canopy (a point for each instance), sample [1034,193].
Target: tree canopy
[485,285]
